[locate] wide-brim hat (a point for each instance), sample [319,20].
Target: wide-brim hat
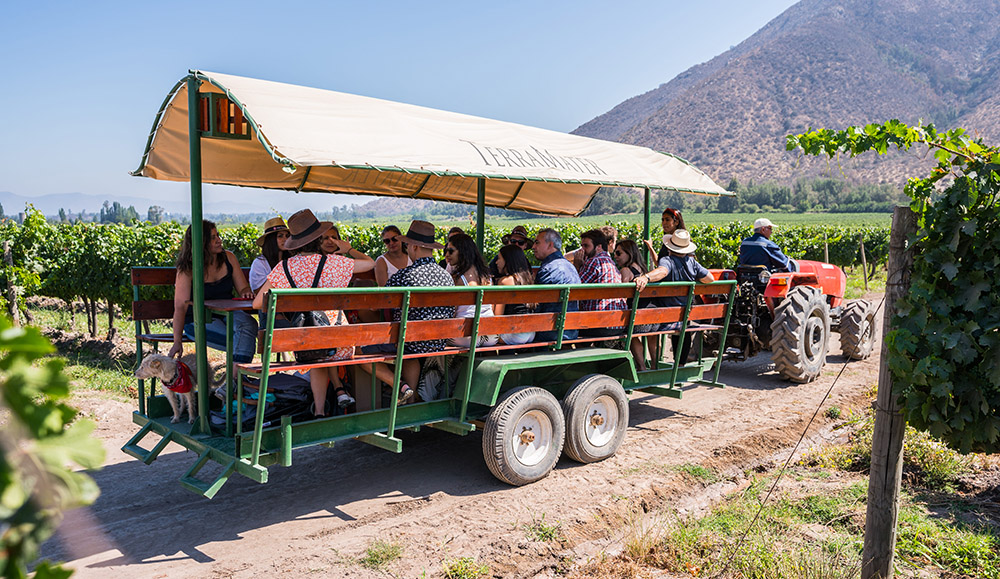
[272,225]
[421,234]
[519,230]
[680,242]
[305,228]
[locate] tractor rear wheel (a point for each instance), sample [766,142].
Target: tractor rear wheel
[799,334]
[523,435]
[857,329]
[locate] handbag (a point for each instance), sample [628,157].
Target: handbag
[308,319]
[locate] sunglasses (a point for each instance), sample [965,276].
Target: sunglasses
[449,250]
[619,252]
[522,242]
[388,240]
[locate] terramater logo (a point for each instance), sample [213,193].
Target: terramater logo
[534,157]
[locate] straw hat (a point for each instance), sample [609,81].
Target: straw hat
[304,228]
[679,242]
[272,225]
[421,234]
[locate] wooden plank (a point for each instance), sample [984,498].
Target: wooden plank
[153,310]
[373,301]
[153,275]
[707,312]
[143,276]
[596,319]
[519,324]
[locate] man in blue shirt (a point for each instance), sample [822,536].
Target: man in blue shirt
[554,269]
[758,249]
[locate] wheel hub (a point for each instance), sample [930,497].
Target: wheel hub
[602,424]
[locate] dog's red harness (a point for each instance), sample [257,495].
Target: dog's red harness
[183,382]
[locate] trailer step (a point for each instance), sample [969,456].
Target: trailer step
[133,449]
[207,489]
[454,427]
[390,443]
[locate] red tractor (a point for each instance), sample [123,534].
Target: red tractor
[792,314]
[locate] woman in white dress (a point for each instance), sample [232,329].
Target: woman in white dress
[394,258]
[469,269]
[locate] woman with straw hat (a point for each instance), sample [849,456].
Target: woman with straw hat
[305,244]
[272,251]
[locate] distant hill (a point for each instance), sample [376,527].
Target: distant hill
[824,63]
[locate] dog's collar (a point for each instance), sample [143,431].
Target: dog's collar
[177,375]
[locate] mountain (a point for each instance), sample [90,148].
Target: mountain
[824,63]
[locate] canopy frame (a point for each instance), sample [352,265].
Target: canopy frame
[193,82]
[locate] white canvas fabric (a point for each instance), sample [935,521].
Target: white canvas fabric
[343,143]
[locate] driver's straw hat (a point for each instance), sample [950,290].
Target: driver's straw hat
[762,222]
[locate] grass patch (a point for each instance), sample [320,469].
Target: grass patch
[379,554]
[833,412]
[856,282]
[702,473]
[926,462]
[464,568]
[539,530]
[815,535]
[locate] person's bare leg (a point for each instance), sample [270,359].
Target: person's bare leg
[319,381]
[638,354]
[653,343]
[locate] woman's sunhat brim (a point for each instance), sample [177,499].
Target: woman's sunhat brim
[420,243]
[275,229]
[311,233]
[668,242]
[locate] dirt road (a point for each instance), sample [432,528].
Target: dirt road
[437,498]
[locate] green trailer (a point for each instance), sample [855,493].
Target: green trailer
[532,402]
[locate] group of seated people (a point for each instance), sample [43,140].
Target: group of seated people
[307,252]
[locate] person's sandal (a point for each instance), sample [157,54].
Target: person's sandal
[405,393]
[344,399]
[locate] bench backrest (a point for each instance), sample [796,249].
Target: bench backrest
[371,333]
[155,309]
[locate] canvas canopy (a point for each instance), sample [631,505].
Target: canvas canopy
[308,139]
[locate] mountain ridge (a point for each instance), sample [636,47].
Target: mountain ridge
[823,63]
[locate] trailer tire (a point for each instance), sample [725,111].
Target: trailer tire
[799,334]
[857,329]
[523,436]
[596,410]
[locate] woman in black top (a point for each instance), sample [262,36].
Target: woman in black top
[222,276]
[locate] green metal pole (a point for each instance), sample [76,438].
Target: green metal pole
[198,266]
[646,208]
[480,212]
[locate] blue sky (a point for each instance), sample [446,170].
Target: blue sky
[83,80]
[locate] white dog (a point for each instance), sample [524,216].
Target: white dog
[177,380]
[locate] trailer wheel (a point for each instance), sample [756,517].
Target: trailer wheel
[857,329]
[523,436]
[596,409]
[799,334]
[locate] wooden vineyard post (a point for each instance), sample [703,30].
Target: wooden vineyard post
[14,310]
[887,441]
[864,261]
[826,249]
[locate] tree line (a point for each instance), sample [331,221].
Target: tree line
[815,194]
[91,262]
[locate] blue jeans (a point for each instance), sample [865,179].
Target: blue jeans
[244,336]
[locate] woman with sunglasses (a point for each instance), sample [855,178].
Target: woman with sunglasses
[468,268]
[629,261]
[394,258]
[514,270]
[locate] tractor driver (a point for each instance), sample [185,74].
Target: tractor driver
[758,249]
